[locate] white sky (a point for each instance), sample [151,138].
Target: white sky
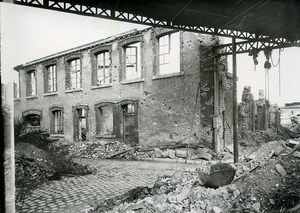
[29,33]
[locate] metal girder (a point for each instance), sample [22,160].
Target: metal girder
[246,46]
[86,10]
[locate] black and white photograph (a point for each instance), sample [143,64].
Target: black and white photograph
[150,106]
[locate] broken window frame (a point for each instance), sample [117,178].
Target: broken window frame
[75,73]
[129,42]
[132,58]
[96,82]
[103,68]
[51,79]
[57,126]
[167,34]
[31,83]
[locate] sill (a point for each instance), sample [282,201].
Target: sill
[17,99]
[51,93]
[167,75]
[101,86]
[138,80]
[32,97]
[105,136]
[73,90]
[61,135]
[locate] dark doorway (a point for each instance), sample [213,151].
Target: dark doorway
[130,123]
[80,123]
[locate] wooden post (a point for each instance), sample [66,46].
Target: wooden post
[234,107]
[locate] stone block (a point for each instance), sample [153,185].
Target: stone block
[172,154]
[292,143]
[181,153]
[281,170]
[221,174]
[158,153]
[278,150]
[296,154]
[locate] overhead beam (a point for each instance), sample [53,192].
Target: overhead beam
[260,45]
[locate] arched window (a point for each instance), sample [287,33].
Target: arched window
[32,119]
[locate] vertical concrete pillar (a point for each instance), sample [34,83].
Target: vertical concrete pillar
[234,106]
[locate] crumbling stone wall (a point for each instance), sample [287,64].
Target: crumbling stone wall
[246,110]
[257,114]
[166,104]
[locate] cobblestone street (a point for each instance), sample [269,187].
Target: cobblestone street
[78,194]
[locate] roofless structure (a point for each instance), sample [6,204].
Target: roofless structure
[263,24]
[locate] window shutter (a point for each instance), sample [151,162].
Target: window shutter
[27,83]
[80,72]
[87,122]
[97,114]
[117,122]
[136,126]
[51,122]
[110,67]
[94,69]
[45,76]
[75,124]
[68,80]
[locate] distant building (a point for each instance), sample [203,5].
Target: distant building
[139,87]
[289,112]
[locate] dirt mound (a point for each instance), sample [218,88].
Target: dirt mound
[34,166]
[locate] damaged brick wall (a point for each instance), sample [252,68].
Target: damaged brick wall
[166,104]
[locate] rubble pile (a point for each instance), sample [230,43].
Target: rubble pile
[94,149]
[261,181]
[181,192]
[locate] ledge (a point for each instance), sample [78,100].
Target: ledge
[31,97]
[73,90]
[51,93]
[167,75]
[105,136]
[138,80]
[102,86]
[57,135]
[17,99]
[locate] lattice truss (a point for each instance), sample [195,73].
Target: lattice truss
[253,40]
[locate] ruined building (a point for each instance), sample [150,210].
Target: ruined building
[142,87]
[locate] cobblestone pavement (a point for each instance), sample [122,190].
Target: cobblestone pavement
[78,194]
